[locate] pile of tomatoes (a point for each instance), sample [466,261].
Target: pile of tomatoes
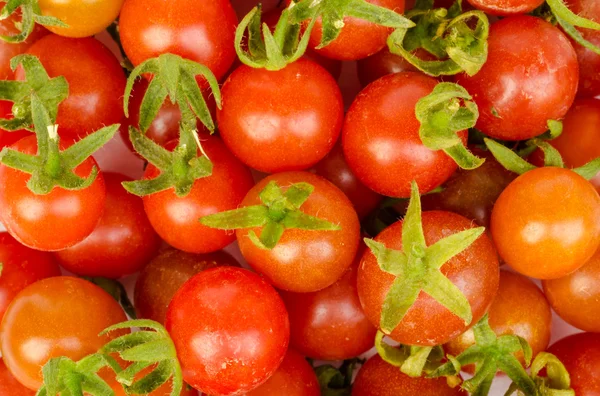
[304,197]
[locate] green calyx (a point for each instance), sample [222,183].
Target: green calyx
[280,210]
[31,13]
[446,34]
[442,116]
[417,268]
[337,381]
[491,354]
[116,290]
[557,381]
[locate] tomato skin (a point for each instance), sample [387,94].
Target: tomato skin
[165,274]
[294,377]
[51,318]
[8,138]
[428,323]
[54,221]
[202,31]
[546,223]
[383,63]
[96,83]
[305,261]
[381,137]
[175,219]
[580,353]
[379,378]
[9,386]
[506,7]
[533,55]
[230,328]
[293,126]
[85,18]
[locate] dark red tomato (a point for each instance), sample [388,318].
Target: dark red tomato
[519,308]
[60,316]
[383,63]
[230,328]
[576,297]
[506,7]
[54,221]
[21,267]
[589,63]
[530,77]
[330,324]
[202,31]
[546,223]
[165,274]
[9,386]
[335,169]
[175,218]
[122,243]
[294,377]
[381,137]
[305,261]
[474,271]
[379,378]
[580,353]
[295,123]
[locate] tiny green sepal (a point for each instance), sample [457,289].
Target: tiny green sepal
[148,347]
[418,268]
[570,21]
[337,381]
[279,211]
[557,381]
[30,15]
[442,116]
[117,291]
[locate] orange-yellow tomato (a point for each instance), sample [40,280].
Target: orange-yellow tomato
[84,17]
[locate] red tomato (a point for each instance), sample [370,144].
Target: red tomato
[293,126]
[383,63]
[230,328]
[294,377]
[123,241]
[202,31]
[165,274]
[589,63]
[381,137]
[580,353]
[530,77]
[9,386]
[546,223]
[54,221]
[96,82]
[175,218]
[474,271]
[60,316]
[506,7]
[8,138]
[305,261]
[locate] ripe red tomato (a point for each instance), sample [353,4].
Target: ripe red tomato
[9,386]
[383,63]
[381,137]
[530,77]
[294,377]
[379,378]
[580,353]
[123,241]
[589,62]
[202,31]
[85,18]
[546,223]
[230,328]
[60,316]
[165,274]
[506,8]
[54,221]
[474,271]
[175,218]
[305,261]
[293,126]
[96,82]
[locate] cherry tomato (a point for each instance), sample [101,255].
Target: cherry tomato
[530,77]
[60,316]
[9,386]
[295,123]
[175,219]
[294,377]
[165,274]
[589,61]
[546,223]
[305,261]
[580,353]
[202,31]
[519,308]
[506,8]
[96,82]
[123,241]
[54,221]
[379,378]
[381,137]
[84,17]
[230,328]
[383,63]
[474,271]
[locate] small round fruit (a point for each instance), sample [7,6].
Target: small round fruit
[85,18]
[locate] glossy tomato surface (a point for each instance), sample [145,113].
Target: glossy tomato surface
[506,7]
[9,386]
[84,17]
